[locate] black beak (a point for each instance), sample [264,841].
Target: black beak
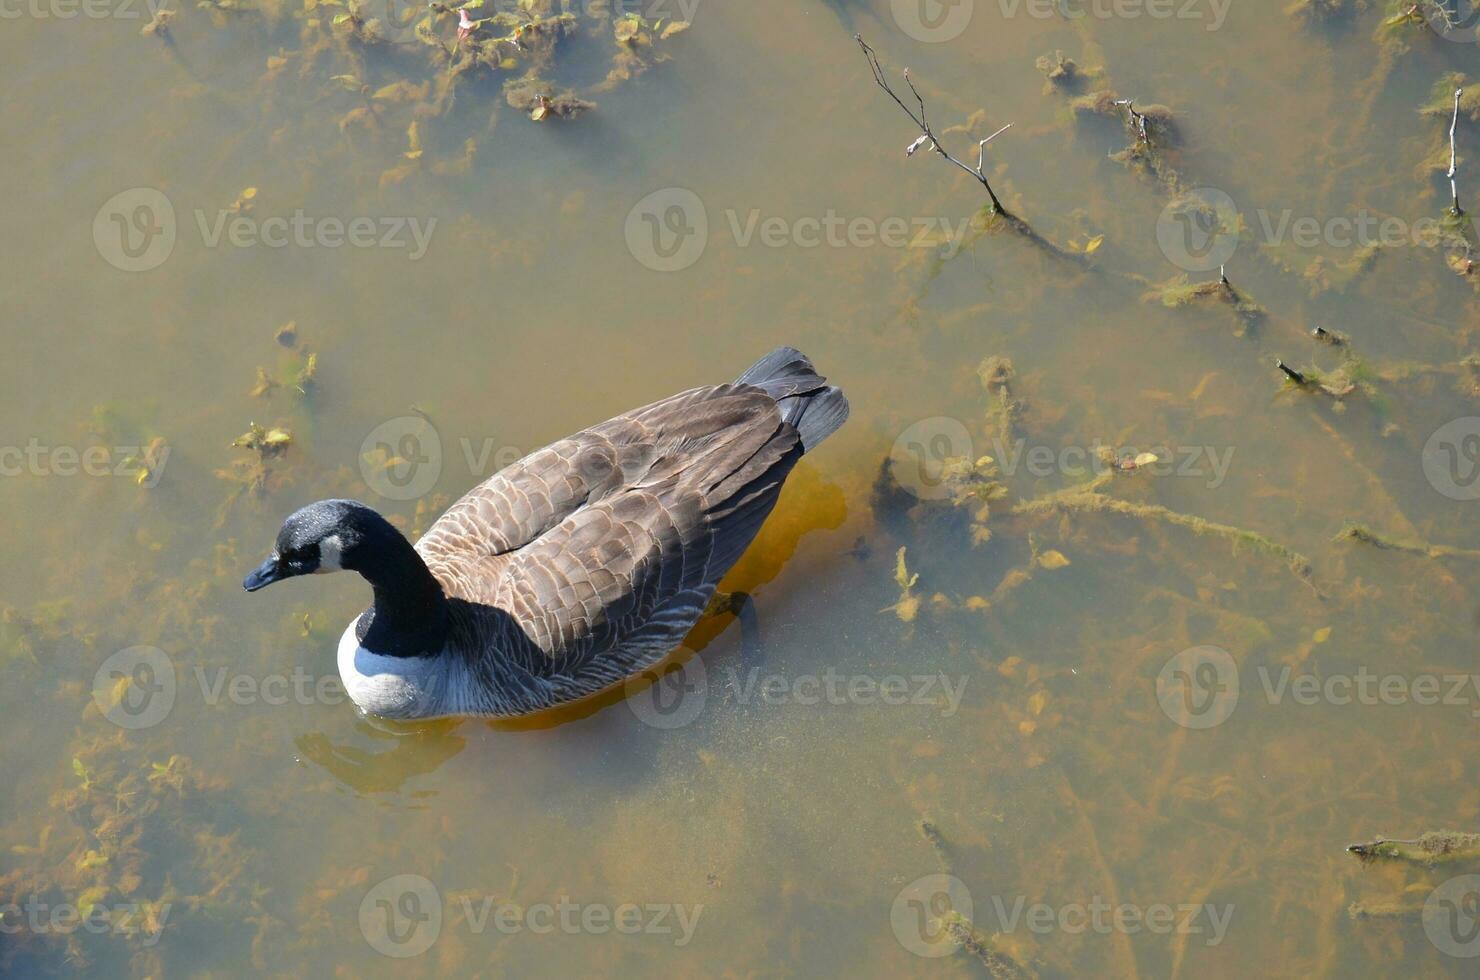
[266,574]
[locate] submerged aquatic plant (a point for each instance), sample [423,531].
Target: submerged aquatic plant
[998,964]
[411,67]
[149,463]
[1434,847]
[254,473]
[1089,500]
[1151,127]
[908,605]
[1352,376]
[1363,534]
[301,375]
[1178,291]
[1064,73]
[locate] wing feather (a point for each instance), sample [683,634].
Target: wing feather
[596,555]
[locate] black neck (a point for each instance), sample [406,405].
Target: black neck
[409,618]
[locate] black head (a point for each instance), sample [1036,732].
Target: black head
[323,537]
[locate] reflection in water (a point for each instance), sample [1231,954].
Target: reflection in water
[401,752]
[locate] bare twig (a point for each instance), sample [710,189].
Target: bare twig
[1138,120]
[1454,207]
[927,135]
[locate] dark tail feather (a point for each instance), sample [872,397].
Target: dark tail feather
[815,408]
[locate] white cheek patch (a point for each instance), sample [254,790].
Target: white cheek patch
[330,550]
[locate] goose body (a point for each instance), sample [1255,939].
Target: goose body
[574,568]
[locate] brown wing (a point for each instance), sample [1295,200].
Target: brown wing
[606,546]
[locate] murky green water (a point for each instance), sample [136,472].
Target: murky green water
[1024,719]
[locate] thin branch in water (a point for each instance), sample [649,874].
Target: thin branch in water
[1291,373]
[927,135]
[1454,207]
[981,149]
[1138,120]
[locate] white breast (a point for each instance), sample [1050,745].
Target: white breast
[393,687]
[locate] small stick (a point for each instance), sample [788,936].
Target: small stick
[981,150]
[1291,373]
[1454,207]
[1138,120]
[927,135]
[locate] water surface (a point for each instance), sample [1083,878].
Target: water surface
[784,828]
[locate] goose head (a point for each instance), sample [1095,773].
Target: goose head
[411,613]
[327,536]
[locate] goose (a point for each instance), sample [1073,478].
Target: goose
[573,569]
